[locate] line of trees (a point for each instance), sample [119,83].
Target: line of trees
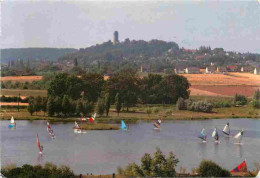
[74,95]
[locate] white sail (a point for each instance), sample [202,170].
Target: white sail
[214,133]
[226,129]
[12,120]
[94,116]
[239,135]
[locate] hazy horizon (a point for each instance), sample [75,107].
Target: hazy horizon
[234,26]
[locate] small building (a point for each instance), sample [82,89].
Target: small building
[192,70]
[210,70]
[257,71]
[145,68]
[179,70]
[221,69]
[246,69]
[232,68]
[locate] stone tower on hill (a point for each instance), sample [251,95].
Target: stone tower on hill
[115,40]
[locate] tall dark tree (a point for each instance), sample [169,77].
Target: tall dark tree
[93,84]
[107,103]
[58,86]
[118,103]
[65,105]
[51,106]
[44,105]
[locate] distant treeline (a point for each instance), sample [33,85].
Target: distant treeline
[34,53]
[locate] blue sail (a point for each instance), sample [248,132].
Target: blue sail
[202,135]
[123,125]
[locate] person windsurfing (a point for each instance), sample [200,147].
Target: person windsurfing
[157,124]
[203,136]
[40,147]
[226,129]
[215,135]
[239,136]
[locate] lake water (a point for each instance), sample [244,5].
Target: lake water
[101,152]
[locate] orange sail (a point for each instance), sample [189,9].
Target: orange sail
[38,143]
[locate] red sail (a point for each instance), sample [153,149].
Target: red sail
[38,143]
[240,168]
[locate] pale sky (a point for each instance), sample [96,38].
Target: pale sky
[79,24]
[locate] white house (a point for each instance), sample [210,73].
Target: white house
[257,71]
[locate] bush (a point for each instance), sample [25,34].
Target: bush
[222,104]
[49,170]
[210,169]
[256,104]
[181,104]
[156,166]
[202,106]
[148,111]
[239,100]
[156,110]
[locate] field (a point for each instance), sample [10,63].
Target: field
[223,84]
[21,78]
[23,93]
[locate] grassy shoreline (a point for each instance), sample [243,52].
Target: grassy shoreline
[139,113]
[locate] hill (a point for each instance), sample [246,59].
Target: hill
[50,54]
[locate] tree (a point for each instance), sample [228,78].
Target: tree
[211,169]
[107,103]
[44,105]
[257,95]
[66,105]
[37,104]
[118,103]
[239,100]
[158,166]
[51,106]
[30,107]
[58,86]
[93,84]
[100,107]
[79,107]
[126,83]
[146,162]
[58,105]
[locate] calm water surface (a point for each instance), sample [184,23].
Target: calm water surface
[101,152]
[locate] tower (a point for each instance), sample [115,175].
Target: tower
[115,40]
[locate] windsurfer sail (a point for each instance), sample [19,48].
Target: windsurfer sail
[240,168]
[51,133]
[203,135]
[239,135]
[123,125]
[226,129]
[157,124]
[215,134]
[76,125]
[39,144]
[91,119]
[12,123]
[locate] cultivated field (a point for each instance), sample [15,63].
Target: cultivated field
[23,93]
[21,78]
[223,84]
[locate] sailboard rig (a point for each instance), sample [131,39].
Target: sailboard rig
[77,129]
[12,124]
[92,118]
[226,129]
[215,135]
[157,124]
[240,168]
[239,136]
[123,125]
[203,135]
[51,133]
[39,144]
